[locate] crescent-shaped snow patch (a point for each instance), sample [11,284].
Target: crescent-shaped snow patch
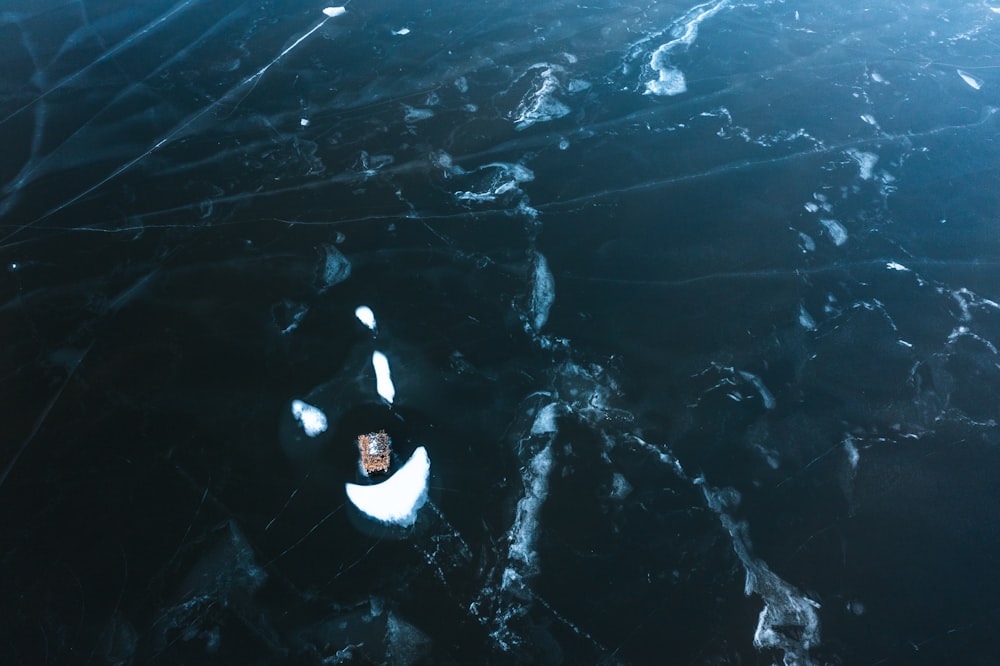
[396,500]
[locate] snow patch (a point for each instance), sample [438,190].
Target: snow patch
[366,316]
[383,378]
[312,419]
[398,499]
[334,11]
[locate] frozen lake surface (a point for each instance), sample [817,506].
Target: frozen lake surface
[695,307]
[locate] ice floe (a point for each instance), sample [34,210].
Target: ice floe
[398,499]
[312,419]
[383,378]
[366,316]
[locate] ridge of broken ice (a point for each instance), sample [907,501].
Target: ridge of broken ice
[398,499]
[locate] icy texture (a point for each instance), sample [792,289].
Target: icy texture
[398,499]
[669,79]
[543,292]
[312,419]
[335,268]
[383,378]
[540,103]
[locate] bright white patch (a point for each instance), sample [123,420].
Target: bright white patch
[866,162]
[365,316]
[811,207]
[838,234]
[312,419]
[545,420]
[401,31]
[304,122]
[397,499]
[383,378]
[893,266]
[877,78]
[334,11]
[870,119]
[973,82]
[540,104]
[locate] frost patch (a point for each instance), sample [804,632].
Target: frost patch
[838,234]
[540,103]
[866,162]
[669,79]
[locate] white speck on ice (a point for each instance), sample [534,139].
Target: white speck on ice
[334,11]
[838,234]
[877,78]
[365,316]
[973,82]
[312,419]
[893,266]
[304,122]
[383,378]
[401,31]
[810,206]
[870,119]
[397,499]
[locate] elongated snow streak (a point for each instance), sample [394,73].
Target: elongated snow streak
[788,621]
[543,292]
[251,80]
[670,80]
[973,82]
[398,499]
[383,378]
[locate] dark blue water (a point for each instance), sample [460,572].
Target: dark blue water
[694,308]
